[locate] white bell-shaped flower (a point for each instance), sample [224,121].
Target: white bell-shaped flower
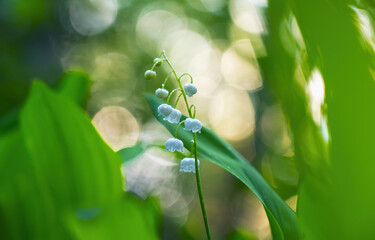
[161,93]
[188,165]
[174,144]
[174,116]
[165,109]
[190,89]
[193,125]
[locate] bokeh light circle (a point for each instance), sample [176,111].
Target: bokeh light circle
[117,126]
[90,17]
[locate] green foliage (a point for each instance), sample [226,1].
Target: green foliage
[60,121]
[128,219]
[347,202]
[59,180]
[211,147]
[130,153]
[240,235]
[335,200]
[75,86]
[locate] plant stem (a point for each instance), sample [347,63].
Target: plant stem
[197,176]
[179,83]
[178,127]
[199,186]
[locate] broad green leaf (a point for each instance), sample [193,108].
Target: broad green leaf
[336,200]
[344,208]
[282,219]
[66,151]
[27,210]
[55,164]
[75,85]
[129,219]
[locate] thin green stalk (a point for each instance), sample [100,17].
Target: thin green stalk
[166,79]
[195,109]
[179,83]
[178,127]
[187,74]
[199,185]
[170,95]
[178,99]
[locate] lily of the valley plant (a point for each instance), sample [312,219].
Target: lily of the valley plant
[173,115]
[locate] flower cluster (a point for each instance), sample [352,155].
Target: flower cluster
[173,115]
[170,114]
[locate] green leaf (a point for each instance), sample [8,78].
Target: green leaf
[129,219]
[130,153]
[75,85]
[239,234]
[55,170]
[282,219]
[341,205]
[78,168]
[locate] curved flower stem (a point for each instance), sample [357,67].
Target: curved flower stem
[166,79]
[179,82]
[187,74]
[178,127]
[153,66]
[197,176]
[178,99]
[195,109]
[170,95]
[199,185]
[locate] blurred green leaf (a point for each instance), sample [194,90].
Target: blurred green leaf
[335,200]
[282,219]
[75,85]
[55,165]
[79,169]
[130,153]
[344,208]
[128,219]
[240,235]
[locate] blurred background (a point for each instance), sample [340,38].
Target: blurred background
[218,42]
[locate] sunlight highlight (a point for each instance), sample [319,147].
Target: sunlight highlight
[238,71]
[91,17]
[316,92]
[117,126]
[246,16]
[232,114]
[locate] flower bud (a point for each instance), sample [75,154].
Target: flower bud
[161,93]
[149,74]
[174,116]
[190,89]
[174,144]
[193,125]
[158,62]
[165,109]
[188,165]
